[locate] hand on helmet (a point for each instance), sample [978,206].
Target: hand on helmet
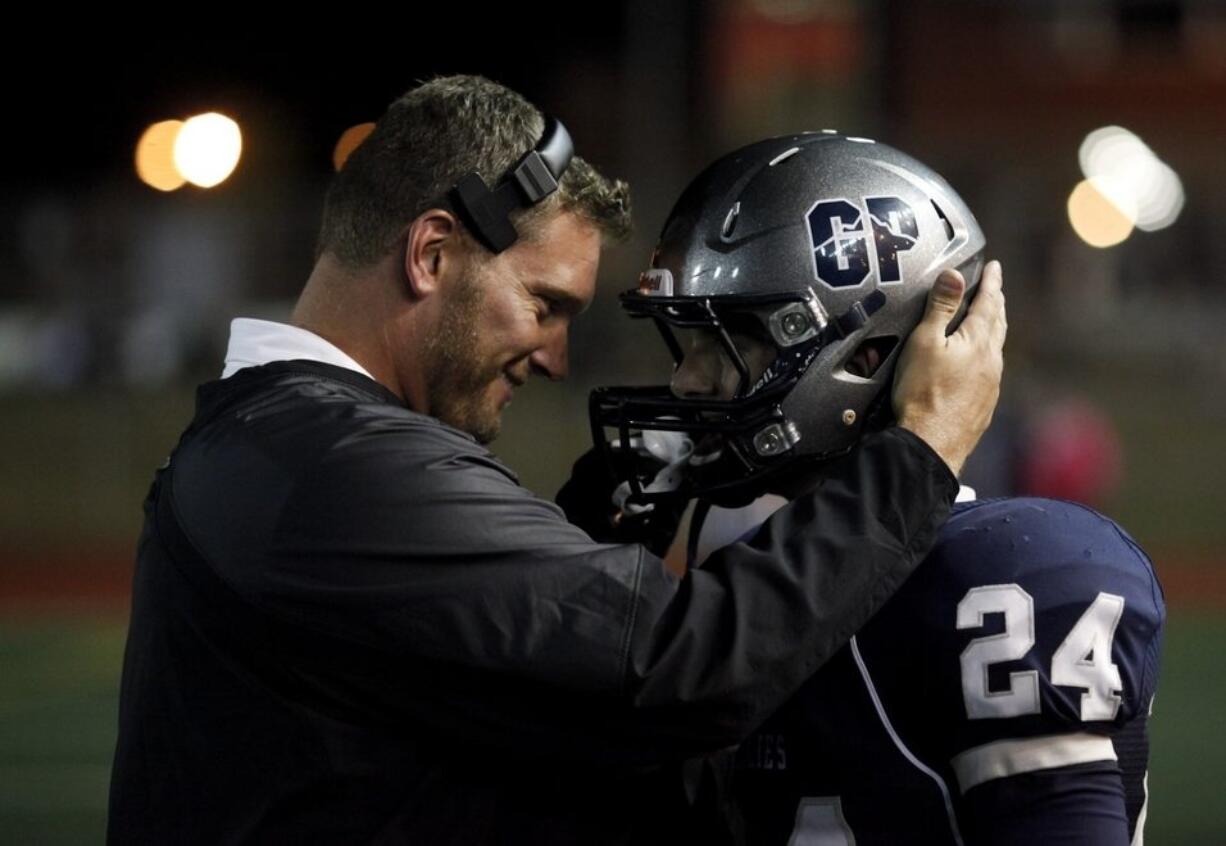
[946,386]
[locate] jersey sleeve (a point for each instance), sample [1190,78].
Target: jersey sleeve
[1078,804]
[1031,635]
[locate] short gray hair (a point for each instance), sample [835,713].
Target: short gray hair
[425,142]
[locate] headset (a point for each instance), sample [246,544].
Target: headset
[487,213]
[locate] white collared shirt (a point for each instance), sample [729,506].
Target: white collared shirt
[255,342]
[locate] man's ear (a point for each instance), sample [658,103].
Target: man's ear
[433,241]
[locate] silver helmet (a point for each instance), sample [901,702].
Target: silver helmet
[815,243]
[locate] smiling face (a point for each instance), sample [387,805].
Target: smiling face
[507,317]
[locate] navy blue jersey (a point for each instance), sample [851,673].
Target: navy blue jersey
[999,697]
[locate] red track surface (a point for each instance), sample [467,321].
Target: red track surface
[100,578]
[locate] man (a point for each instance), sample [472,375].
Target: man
[1001,695]
[351,624]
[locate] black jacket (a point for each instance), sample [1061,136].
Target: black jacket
[351,624]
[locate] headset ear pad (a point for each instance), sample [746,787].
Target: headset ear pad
[474,203]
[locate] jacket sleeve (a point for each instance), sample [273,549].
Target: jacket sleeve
[455,597]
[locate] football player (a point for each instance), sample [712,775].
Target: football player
[1002,695]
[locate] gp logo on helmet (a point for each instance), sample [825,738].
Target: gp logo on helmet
[841,239]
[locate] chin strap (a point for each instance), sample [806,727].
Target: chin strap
[855,317]
[701,509]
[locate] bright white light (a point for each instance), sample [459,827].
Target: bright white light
[1126,171]
[1162,201]
[1112,149]
[207,149]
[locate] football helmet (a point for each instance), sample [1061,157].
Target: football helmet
[811,244]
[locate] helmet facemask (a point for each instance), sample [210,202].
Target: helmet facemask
[723,445]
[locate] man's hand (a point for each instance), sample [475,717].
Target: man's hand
[946,387]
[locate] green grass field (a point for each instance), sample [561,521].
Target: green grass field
[58,705]
[59,698]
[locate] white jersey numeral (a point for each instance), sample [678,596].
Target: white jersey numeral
[1083,659]
[1022,695]
[820,822]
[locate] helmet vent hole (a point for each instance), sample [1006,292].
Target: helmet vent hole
[949,227]
[870,355]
